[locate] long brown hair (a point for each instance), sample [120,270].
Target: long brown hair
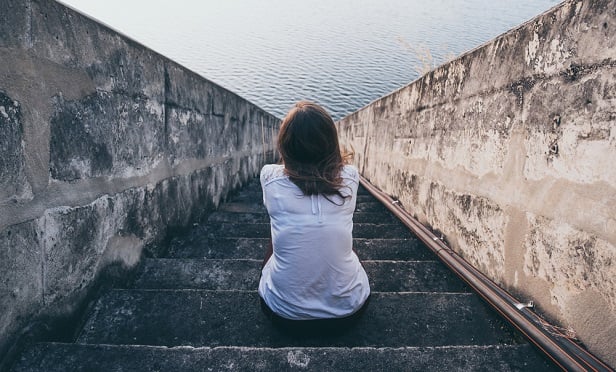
[308,145]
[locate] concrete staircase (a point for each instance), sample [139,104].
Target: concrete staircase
[198,310]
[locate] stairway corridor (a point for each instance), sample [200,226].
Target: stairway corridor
[197,309]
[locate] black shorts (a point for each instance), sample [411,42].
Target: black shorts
[313,327]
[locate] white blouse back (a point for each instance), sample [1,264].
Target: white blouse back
[314,272]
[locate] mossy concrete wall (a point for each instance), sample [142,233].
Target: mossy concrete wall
[510,152]
[104,146]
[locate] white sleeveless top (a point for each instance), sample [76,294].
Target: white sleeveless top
[313,273]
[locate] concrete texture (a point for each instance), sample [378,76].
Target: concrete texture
[509,151]
[107,358]
[194,246]
[21,284]
[106,146]
[262,230]
[242,274]
[12,160]
[234,318]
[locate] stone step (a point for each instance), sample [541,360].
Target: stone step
[234,318]
[371,206]
[195,246]
[384,276]
[60,357]
[257,196]
[258,207]
[263,217]
[242,207]
[254,187]
[199,309]
[262,230]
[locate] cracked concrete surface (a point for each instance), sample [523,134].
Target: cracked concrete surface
[509,151]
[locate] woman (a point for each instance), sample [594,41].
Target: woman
[312,276]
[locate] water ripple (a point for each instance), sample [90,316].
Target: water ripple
[342,54]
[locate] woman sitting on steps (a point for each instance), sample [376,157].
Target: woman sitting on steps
[311,280]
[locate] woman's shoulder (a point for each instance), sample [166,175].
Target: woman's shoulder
[271,172]
[351,172]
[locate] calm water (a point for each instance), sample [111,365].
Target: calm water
[340,53]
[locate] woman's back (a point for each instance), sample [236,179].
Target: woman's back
[313,272]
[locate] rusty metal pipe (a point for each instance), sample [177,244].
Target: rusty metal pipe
[563,351]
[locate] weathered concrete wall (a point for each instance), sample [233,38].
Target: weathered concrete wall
[509,151]
[104,145]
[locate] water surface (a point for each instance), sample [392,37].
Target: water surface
[342,54]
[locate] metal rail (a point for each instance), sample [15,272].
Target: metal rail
[563,351]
